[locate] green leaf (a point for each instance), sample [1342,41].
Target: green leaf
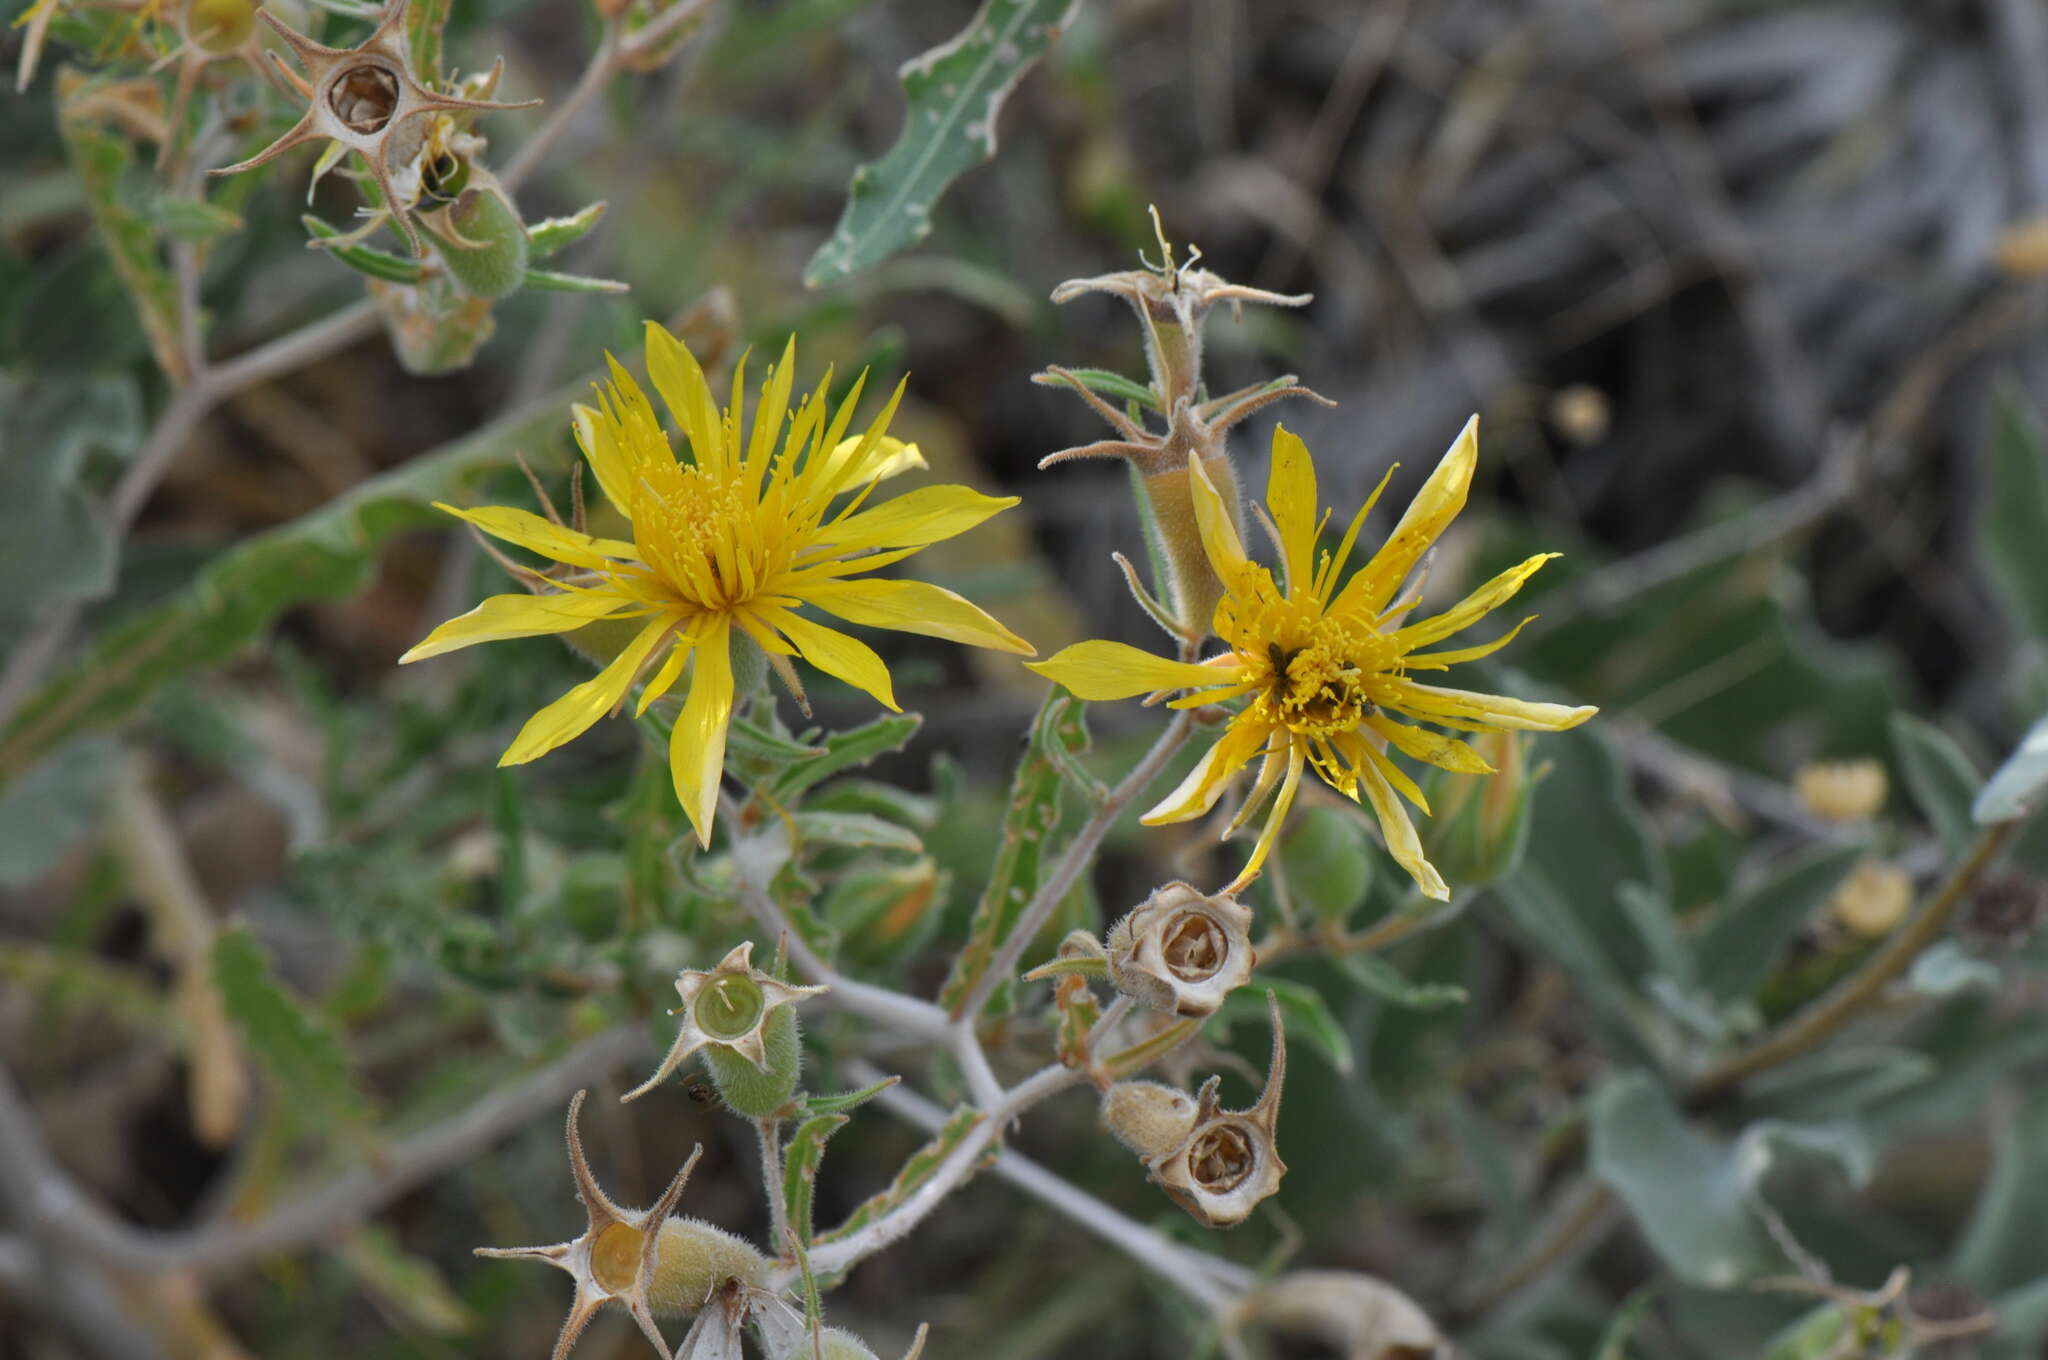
[1109,384]
[1302,1010]
[915,1171]
[52,530]
[2014,513]
[855,830]
[2016,788]
[1614,1345]
[363,259]
[1685,1192]
[52,808]
[1942,779]
[75,983]
[410,1285]
[558,233]
[425,23]
[294,1045]
[1029,822]
[953,94]
[549,281]
[1378,978]
[194,219]
[800,1161]
[846,1102]
[103,157]
[846,751]
[1746,940]
[2003,1247]
[325,555]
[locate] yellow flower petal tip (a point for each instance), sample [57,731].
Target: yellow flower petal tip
[750,528]
[1317,671]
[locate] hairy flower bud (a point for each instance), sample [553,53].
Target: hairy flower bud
[1227,1162]
[742,1018]
[1480,822]
[646,1261]
[1181,950]
[480,237]
[1148,1117]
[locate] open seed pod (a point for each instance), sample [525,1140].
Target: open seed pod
[1228,1161]
[1182,951]
[737,1010]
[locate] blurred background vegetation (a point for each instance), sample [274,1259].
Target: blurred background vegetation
[1747,293]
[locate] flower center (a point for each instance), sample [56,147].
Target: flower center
[1221,1158]
[1322,688]
[615,1256]
[709,539]
[730,1007]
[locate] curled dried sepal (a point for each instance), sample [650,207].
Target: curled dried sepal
[365,98]
[642,1259]
[1182,950]
[1228,1161]
[728,1006]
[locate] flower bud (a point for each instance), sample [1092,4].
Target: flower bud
[1148,1117]
[1228,1161]
[1328,860]
[1181,950]
[1480,822]
[744,1021]
[1872,899]
[1842,790]
[481,239]
[834,1343]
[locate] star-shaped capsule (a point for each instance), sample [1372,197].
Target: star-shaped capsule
[615,1257]
[727,1006]
[1227,1162]
[366,98]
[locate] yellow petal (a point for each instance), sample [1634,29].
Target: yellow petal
[1212,774]
[1399,834]
[520,615]
[1445,660]
[834,653]
[1297,756]
[1291,496]
[1114,670]
[887,457]
[772,411]
[675,374]
[1434,507]
[1333,565]
[1494,710]
[597,435]
[926,515]
[1278,750]
[1471,609]
[915,607]
[571,715]
[664,678]
[1216,524]
[524,529]
[696,748]
[1434,748]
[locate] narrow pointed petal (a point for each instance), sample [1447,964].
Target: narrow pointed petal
[886,457]
[1270,770]
[664,679]
[516,616]
[1399,834]
[1472,608]
[1216,525]
[930,514]
[1101,670]
[915,607]
[571,715]
[1433,748]
[696,748]
[1495,710]
[597,437]
[1434,507]
[524,529]
[1283,803]
[836,654]
[1445,660]
[1204,784]
[1291,497]
[676,375]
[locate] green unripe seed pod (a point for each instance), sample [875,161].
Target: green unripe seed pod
[494,265]
[693,1260]
[1329,863]
[758,1092]
[730,1007]
[834,1343]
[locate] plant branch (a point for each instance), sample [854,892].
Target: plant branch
[1078,856]
[770,1131]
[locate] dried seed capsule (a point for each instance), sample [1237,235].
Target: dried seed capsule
[1181,950]
[1228,1162]
[1148,1117]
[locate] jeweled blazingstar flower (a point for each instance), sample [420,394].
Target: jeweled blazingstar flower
[1322,670]
[726,548]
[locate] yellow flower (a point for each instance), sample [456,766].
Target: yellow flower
[727,545]
[1324,671]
